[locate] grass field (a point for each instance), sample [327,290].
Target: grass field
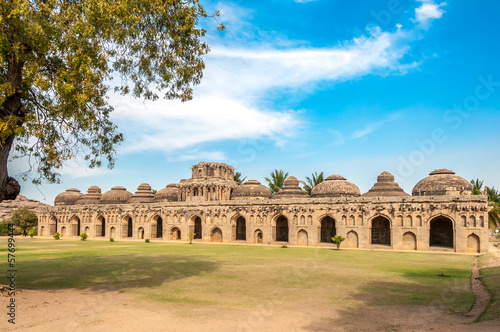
[247,276]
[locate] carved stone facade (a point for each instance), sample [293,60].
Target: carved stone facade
[440,215]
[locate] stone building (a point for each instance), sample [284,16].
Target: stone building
[441,214]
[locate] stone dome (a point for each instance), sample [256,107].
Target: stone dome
[442,182]
[335,186]
[385,186]
[143,194]
[168,194]
[117,195]
[69,197]
[291,189]
[93,196]
[251,189]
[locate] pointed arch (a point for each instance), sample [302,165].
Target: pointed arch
[352,240]
[473,243]
[327,229]
[441,230]
[216,235]
[52,225]
[302,238]
[258,236]
[100,226]
[280,228]
[409,241]
[175,233]
[380,230]
[127,226]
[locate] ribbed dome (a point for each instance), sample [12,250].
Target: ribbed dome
[442,182]
[143,194]
[335,186]
[69,197]
[116,195]
[291,189]
[251,189]
[93,196]
[385,186]
[168,194]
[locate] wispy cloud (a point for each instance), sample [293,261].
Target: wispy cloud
[335,137]
[428,11]
[371,127]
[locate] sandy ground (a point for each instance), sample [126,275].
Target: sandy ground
[80,310]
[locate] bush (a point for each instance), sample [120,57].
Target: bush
[32,233]
[111,239]
[57,236]
[191,237]
[147,240]
[284,246]
[338,240]
[84,236]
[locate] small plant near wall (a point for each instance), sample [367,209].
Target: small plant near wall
[111,239]
[32,233]
[57,236]
[191,236]
[284,246]
[84,236]
[147,240]
[338,240]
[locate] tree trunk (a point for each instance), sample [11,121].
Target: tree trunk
[9,187]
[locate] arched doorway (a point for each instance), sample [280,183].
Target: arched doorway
[52,225]
[473,243]
[100,226]
[127,230]
[197,228]
[63,231]
[327,229]
[216,235]
[42,231]
[282,229]
[87,231]
[175,234]
[409,241]
[140,233]
[441,232]
[241,229]
[75,226]
[302,238]
[351,240]
[257,236]
[159,228]
[381,231]
[112,232]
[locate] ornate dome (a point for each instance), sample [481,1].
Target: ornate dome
[291,189]
[168,194]
[251,189]
[385,186]
[93,196]
[335,186]
[442,182]
[143,194]
[69,197]
[116,195]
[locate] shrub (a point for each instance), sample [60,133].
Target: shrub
[84,236]
[191,236]
[338,240]
[57,236]
[32,233]
[147,240]
[284,246]
[111,239]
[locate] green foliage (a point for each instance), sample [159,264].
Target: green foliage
[32,233]
[24,219]
[284,246]
[310,182]
[58,59]
[237,177]
[154,191]
[57,236]
[277,180]
[191,237]
[477,186]
[4,228]
[146,240]
[337,239]
[83,236]
[111,239]
[493,202]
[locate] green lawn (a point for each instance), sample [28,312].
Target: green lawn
[491,280]
[246,276]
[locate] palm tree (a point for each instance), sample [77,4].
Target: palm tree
[312,181]
[477,186]
[237,177]
[277,180]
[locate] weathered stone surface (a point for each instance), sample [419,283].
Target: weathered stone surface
[335,186]
[116,195]
[442,182]
[69,197]
[93,196]
[251,189]
[170,193]
[9,206]
[143,194]
[385,186]
[291,189]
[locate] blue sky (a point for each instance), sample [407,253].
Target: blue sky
[344,87]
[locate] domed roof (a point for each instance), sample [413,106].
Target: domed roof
[143,194]
[335,186]
[291,189]
[116,195]
[251,189]
[69,197]
[93,196]
[442,182]
[168,194]
[385,186]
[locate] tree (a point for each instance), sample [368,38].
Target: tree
[312,181]
[338,240]
[493,201]
[277,180]
[477,186]
[24,219]
[237,177]
[60,58]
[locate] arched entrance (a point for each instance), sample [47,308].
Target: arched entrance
[52,225]
[42,231]
[473,243]
[87,231]
[100,226]
[302,238]
[351,240]
[409,241]
[197,228]
[127,229]
[216,235]
[75,226]
[140,233]
[441,232]
[381,231]
[175,234]
[241,229]
[63,231]
[327,229]
[112,232]
[257,236]
[282,229]
[159,228]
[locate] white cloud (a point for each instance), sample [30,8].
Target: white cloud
[371,127]
[304,1]
[336,138]
[428,11]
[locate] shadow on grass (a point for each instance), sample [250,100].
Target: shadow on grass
[117,272]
